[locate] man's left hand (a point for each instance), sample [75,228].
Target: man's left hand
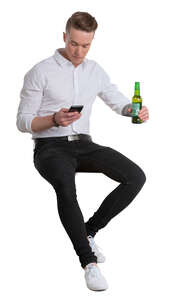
[143,113]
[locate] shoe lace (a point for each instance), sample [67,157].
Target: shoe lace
[92,270]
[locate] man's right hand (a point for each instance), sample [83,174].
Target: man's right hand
[64,118]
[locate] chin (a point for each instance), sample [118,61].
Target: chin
[78,60]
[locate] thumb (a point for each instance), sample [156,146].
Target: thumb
[64,109]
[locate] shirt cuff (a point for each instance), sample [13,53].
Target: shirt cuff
[24,122]
[125,111]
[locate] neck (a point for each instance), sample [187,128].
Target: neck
[64,54]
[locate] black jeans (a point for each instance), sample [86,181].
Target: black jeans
[57,161]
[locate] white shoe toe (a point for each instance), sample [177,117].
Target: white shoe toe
[95,281]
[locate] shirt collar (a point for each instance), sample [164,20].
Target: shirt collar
[62,60]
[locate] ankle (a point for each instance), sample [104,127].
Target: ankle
[93,263]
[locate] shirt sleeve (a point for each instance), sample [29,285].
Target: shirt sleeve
[111,96]
[30,99]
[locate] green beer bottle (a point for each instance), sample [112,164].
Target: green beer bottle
[136,104]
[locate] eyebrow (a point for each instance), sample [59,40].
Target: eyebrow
[78,44]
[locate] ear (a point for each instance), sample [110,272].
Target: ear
[64,36]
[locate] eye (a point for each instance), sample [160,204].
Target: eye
[73,44]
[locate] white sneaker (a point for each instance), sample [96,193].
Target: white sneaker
[96,249]
[94,279]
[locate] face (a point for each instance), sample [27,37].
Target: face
[77,45]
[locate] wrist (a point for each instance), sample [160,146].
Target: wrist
[125,110]
[54,121]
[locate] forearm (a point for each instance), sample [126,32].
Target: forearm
[42,123]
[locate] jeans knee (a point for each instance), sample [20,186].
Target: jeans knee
[64,189]
[139,177]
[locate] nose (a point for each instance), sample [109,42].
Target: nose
[78,52]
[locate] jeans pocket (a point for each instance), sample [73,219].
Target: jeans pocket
[39,147]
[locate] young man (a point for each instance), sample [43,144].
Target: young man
[63,145]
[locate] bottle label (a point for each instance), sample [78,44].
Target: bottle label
[135,109]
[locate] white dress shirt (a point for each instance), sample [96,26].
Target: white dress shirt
[55,83]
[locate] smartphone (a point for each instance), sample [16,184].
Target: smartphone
[76,108]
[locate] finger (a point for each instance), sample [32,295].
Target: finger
[64,109]
[143,116]
[66,123]
[74,117]
[69,122]
[71,114]
[71,119]
[143,110]
[144,119]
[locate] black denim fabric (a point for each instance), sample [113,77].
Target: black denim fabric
[58,161]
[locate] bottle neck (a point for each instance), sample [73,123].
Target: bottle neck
[137,93]
[137,88]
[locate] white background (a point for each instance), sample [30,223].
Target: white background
[149,245]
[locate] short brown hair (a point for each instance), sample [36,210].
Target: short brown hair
[81,21]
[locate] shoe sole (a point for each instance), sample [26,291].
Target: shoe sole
[97,290]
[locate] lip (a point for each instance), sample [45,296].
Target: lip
[77,57]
